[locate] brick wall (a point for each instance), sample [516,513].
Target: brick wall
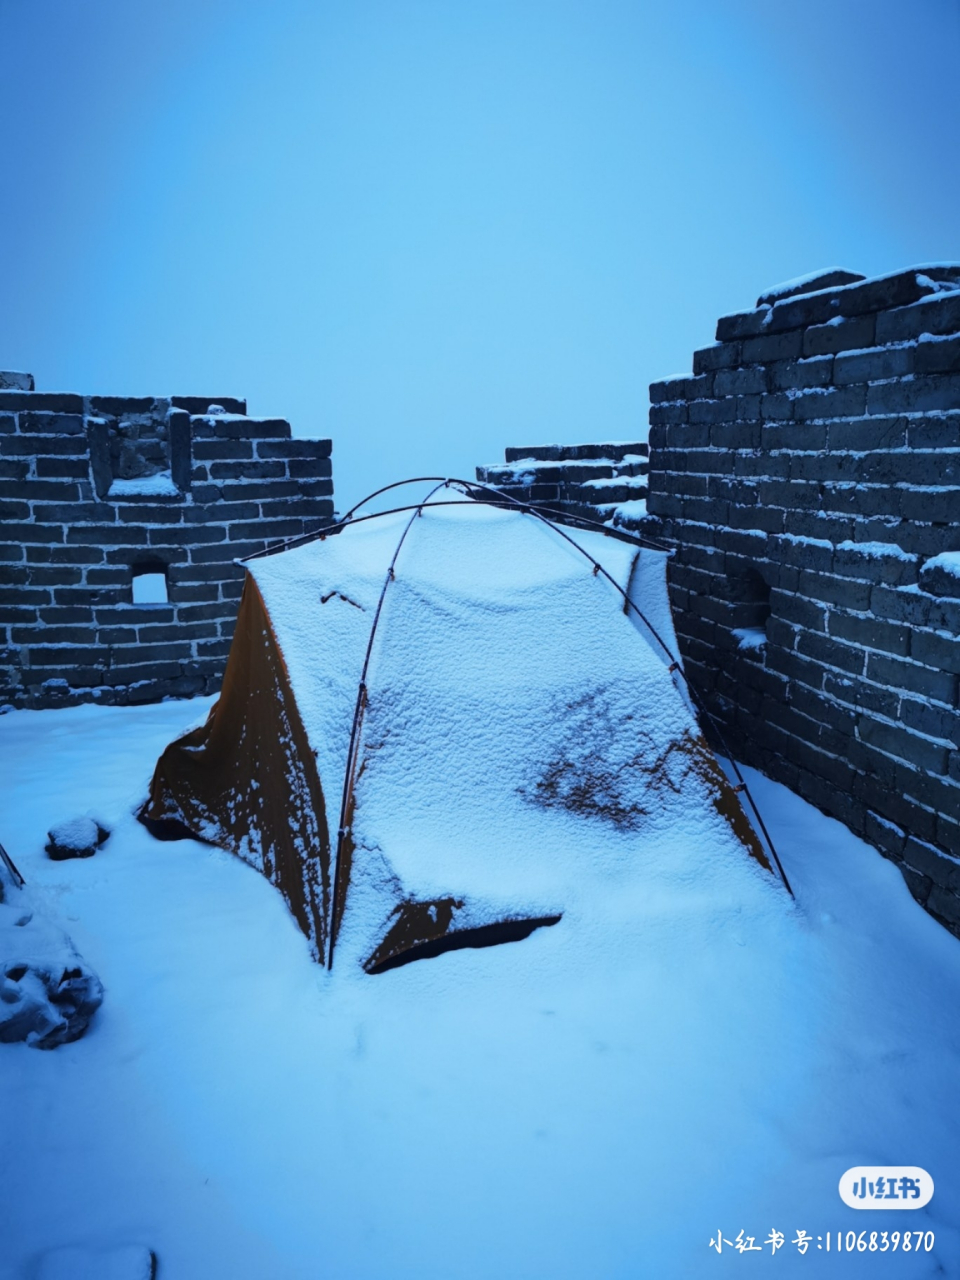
[605,482]
[95,490]
[808,474]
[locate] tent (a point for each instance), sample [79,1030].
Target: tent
[441,723]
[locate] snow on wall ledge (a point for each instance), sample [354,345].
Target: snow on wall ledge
[96,491]
[808,474]
[606,482]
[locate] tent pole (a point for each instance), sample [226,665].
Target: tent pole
[353,751]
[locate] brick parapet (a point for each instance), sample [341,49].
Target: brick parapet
[605,482]
[96,489]
[808,474]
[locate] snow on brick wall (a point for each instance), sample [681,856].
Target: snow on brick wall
[606,482]
[808,474]
[96,491]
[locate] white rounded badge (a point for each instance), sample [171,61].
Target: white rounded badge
[895,1186]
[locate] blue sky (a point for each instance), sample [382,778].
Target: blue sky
[433,228]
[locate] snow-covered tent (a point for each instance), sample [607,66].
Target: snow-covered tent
[441,725]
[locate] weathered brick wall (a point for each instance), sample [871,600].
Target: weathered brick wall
[95,489]
[605,482]
[808,473]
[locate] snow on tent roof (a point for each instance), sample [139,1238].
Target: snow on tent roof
[519,742]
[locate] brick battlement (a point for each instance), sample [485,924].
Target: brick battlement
[96,490]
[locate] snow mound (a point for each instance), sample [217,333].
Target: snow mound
[47,993]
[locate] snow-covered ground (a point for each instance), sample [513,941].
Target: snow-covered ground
[575,1105]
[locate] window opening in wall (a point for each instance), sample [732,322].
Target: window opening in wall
[150,584]
[750,595]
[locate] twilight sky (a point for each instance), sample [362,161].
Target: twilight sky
[433,228]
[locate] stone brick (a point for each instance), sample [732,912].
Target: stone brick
[795,495]
[931,504]
[744,324]
[873,365]
[38,446]
[711,411]
[935,649]
[913,677]
[65,424]
[266,489]
[298,448]
[26,533]
[920,394]
[863,434]
[724,355]
[870,632]
[930,719]
[776,407]
[227,427]
[937,354]
[19,401]
[105,535]
[830,652]
[938,314]
[945,905]
[662,415]
[794,435]
[788,375]
[830,402]
[63,468]
[221,450]
[735,382]
[936,579]
[735,435]
[200,404]
[872,565]
[253,470]
[771,347]
[941,431]
[894,740]
[839,335]
[884,834]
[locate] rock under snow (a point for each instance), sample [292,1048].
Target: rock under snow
[78,838]
[48,994]
[941,574]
